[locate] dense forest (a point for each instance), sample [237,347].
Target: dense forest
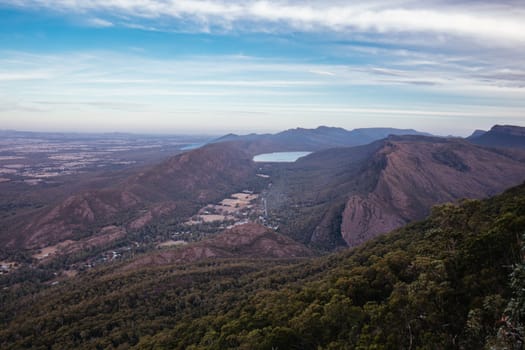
[453,281]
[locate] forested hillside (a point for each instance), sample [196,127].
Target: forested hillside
[451,281]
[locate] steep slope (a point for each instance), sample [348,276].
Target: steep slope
[501,136]
[251,240]
[76,217]
[357,193]
[442,283]
[195,176]
[307,197]
[176,187]
[419,173]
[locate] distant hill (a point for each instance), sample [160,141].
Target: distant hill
[476,133]
[367,135]
[243,241]
[357,193]
[235,137]
[501,136]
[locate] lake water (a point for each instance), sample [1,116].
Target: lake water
[192,146]
[280,157]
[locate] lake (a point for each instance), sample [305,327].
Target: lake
[280,157]
[192,146]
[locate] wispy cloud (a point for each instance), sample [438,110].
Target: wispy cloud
[322,72]
[406,88]
[99,23]
[24,75]
[117,73]
[498,23]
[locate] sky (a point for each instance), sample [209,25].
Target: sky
[211,67]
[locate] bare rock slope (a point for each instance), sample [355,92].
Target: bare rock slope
[419,173]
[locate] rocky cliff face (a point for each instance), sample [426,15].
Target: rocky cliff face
[420,173]
[348,195]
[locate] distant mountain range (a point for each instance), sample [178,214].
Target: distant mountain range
[333,197]
[322,137]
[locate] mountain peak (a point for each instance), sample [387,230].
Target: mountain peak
[509,129]
[502,136]
[477,133]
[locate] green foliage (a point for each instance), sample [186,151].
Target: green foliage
[511,333]
[442,283]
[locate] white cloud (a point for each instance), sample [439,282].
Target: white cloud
[322,72]
[499,24]
[99,23]
[81,85]
[23,75]
[117,73]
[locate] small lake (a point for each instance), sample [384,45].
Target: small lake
[192,146]
[280,157]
